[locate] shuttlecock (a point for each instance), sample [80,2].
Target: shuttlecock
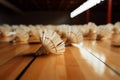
[85,30]
[73,35]
[116,28]
[103,32]
[51,27]
[51,43]
[33,34]
[115,39]
[61,30]
[6,33]
[5,30]
[92,31]
[22,35]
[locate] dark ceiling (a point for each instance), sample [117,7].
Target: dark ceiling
[52,5]
[54,12]
[36,5]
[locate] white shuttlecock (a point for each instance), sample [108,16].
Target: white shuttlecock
[73,35]
[92,31]
[109,26]
[51,27]
[61,30]
[33,34]
[85,30]
[51,43]
[5,30]
[103,32]
[116,28]
[24,28]
[115,39]
[6,33]
[22,35]
[39,27]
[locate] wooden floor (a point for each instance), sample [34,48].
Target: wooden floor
[90,60]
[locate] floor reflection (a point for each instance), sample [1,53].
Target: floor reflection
[98,66]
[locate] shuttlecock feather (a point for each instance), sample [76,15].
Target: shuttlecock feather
[51,43]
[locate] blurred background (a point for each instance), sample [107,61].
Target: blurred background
[55,12]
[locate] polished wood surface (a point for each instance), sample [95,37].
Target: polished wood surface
[89,60]
[11,51]
[70,66]
[105,49]
[16,59]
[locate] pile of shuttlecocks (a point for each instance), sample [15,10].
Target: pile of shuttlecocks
[54,38]
[116,34]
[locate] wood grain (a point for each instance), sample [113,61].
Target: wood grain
[11,51]
[79,62]
[12,68]
[104,48]
[70,66]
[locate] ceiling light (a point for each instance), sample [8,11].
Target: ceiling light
[85,6]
